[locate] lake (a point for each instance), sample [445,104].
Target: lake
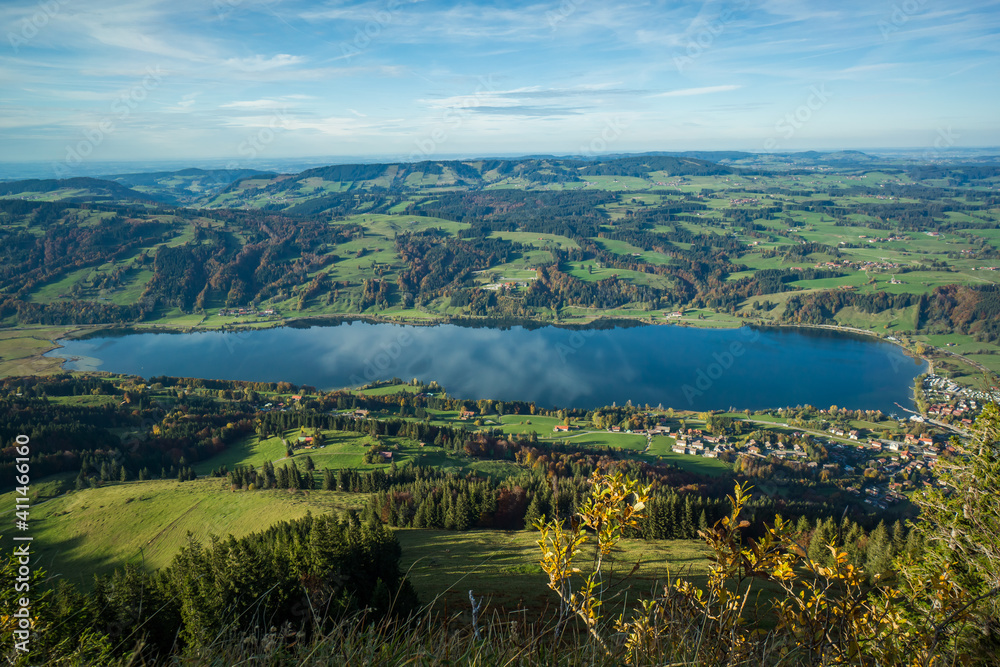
[679,367]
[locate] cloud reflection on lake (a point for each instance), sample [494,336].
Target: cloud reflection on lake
[678,367]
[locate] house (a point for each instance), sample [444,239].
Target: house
[560,428]
[466,414]
[386,455]
[925,440]
[853,435]
[679,449]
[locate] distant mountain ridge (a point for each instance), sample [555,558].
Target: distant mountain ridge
[186,185]
[97,189]
[221,188]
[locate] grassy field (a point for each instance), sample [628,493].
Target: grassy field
[95,530]
[341,450]
[622,248]
[695,464]
[537,240]
[502,566]
[39,490]
[521,424]
[389,390]
[602,439]
[21,350]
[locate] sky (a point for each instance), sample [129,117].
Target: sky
[241,81]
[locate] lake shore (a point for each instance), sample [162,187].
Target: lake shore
[30,357]
[602,320]
[574,366]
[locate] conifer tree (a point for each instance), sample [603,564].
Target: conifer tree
[879,551]
[462,513]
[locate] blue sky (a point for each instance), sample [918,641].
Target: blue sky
[244,80]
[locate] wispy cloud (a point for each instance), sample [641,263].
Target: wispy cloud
[261,63]
[527,111]
[254,104]
[706,90]
[490,77]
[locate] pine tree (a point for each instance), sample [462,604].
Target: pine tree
[536,511]
[462,513]
[852,545]
[898,537]
[687,519]
[824,535]
[393,512]
[879,552]
[803,526]
[914,544]
[436,515]
[449,512]
[422,518]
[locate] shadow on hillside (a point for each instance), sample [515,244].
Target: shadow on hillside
[62,559]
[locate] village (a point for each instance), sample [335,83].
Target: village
[878,471]
[247,312]
[951,402]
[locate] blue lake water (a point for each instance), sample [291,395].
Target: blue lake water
[679,367]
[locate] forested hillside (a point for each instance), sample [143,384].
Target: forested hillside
[902,251]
